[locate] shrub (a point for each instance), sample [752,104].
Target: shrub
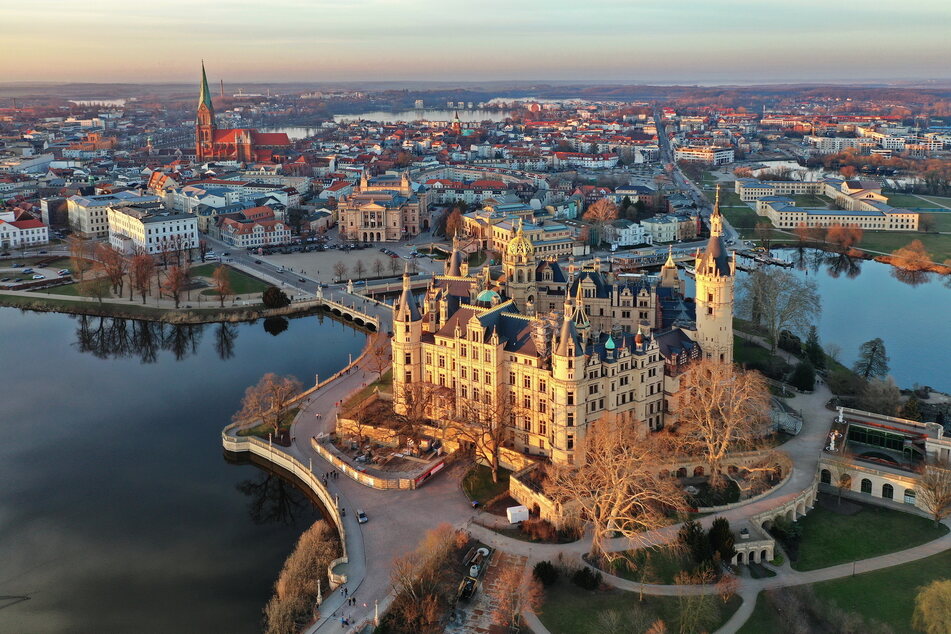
[803,377]
[540,530]
[778,560]
[274,297]
[586,578]
[545,572]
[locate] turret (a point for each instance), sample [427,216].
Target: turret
[406,343]
[715,272]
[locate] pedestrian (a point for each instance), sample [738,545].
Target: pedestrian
[346,591]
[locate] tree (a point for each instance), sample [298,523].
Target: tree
[691,538]
[618,485]
[764,233]
[176,279]
[913,257]
[394,266]
[813,349]
[379,360]
[202,249]
[934,489]
[273,297]
[601,213]
[872,361]
[721,540]
[454,223]
[360,269]
[418,402]
[778,300]
[486,426]
[96,287]
[267,400]
[80,254]
[421,580]
[697,611]
[881,396]
[378,267]
[222,281]
[340,270]
[803,377]
[722,409]
[111,262]
[932,613]
[513,595]
[911,409]
[140,273]
[844,236]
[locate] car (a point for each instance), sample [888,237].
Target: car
[226,253]
[39,277]
[6,279]
[258,262]
[467,588]
[300,279]
[362,517]
[43,252]
[62,272]
[27,270]
[16,265]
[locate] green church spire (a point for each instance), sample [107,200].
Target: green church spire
[205,96]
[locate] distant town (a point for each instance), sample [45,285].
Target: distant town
[616,369]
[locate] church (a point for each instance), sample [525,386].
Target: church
[550,349]
[244,145]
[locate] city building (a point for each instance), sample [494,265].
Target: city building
[89,215]
[25,232]
[707,154]
[383,209]
[150,228]
[240,144]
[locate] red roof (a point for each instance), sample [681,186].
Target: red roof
[27,224]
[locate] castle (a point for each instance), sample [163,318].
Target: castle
[245,145]
[550,349]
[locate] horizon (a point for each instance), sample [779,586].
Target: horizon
[294,41]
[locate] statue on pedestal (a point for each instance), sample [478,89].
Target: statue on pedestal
[833,436]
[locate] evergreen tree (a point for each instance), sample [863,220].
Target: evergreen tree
[873,361]
[721,539]
[625,205]
[803,377]
[911,409]
[814,350]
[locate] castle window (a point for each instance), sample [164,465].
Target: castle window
[571,442]
[463,350]
[511,378]
[527,402]
[542,386]
[543,406]
[527,382]
[571,398]
[465,373]
[488,378]
[542,428]
[465,391]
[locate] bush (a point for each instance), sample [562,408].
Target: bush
[545,572]
[274,297]
[790,343]
[804,377]
[586,578]
[540,530]
[778,560]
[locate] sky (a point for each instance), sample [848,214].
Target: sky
[703,41]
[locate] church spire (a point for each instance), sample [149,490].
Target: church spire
[204,96]
[716,220]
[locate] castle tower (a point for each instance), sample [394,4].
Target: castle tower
[568,420]
[668,273]
[204,121]
[406,343]
[715,273]
[518,263]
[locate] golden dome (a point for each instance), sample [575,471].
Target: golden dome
[520,244]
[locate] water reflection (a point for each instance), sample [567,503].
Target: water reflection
[843,264]
[275,325]
[225,335]
[116,338]
[912,278]
[273,500]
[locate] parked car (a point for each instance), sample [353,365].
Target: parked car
[62,272]
[6,279]
[257,262]
[467,588]
[362,517]
[43,252]
[300,279]
[39,277]
[27,270]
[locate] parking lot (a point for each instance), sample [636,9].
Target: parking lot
[31,269]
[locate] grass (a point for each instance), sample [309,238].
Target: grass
[939,246]
[479,486]
[910,201]
[665,564]
[241,283]
[942,220]
[830,538]
[264,429]
[69,289]
[810,200]
[886,595]
[385,383]
[570,610]
[745,351]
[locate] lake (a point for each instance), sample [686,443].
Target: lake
[445,115]
[294,132]
[864,299]
[99,102]
[118,510]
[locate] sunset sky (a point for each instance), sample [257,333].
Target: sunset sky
[629,40]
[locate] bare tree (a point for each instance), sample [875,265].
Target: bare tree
[513,595]
[378,267]
[934,489]
[764,233]
[844,236]
[486,425]
[360,269]
[778,300]
[697,611]
[267,400]
[379,360]
[340,270]
[618,487]
[80,254]
[113,264]
[202,249]
[913,257]
[140,273]
[722,409]
[222,281]
[421,580]
[394,266]
[176,279]
[454,223]
[601,213]
[96,287]
[419,402]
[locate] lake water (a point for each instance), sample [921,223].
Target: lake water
[863,299]
[118,511]
[385,116]
[294,132]
[99,102]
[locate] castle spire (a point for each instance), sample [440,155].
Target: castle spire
[670,264]
[716,220]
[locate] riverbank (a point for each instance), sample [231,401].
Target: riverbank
[131,310]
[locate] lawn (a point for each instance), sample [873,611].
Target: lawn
[939,246]
[942,220]
[69,289]
[810,200]
[479,486]
[264,429]
[830,538]
[385,383]
[742,217]
[665,565]
[241,283]
[570,610]
[910,201]
[886,595]
[745,351]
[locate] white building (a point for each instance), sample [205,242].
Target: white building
[624,233]
[151,229]
[89,215]
[708,154]
[661,228]
[21,233]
